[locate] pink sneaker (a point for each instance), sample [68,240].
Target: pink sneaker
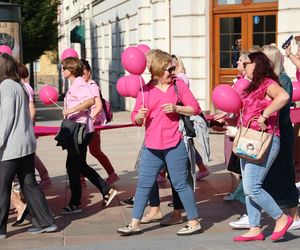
[112,178]
[45,183]
[160,179]
[201,175]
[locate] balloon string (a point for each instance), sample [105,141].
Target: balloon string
[55,104]
[143,98]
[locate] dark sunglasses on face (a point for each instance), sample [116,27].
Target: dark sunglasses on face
[171,69]
[245,64]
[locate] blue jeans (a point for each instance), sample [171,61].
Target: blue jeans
[152,161]
[256,197]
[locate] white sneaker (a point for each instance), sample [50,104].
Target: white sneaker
[242,222]
[295,225]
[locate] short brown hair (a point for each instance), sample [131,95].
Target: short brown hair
[159,64]
[23,71]
[74,65]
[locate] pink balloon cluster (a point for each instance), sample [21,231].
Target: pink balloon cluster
[69,53]
[226,98]
[134,61]
[48,95]
[4,49]
[130,85]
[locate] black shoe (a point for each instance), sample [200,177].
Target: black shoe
[129,201]
[23,216]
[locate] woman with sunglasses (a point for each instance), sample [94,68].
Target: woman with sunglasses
[263,98]
[156,108]
[77,107]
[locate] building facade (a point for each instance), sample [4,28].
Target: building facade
[204,33]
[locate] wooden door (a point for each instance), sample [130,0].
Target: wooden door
[235,32]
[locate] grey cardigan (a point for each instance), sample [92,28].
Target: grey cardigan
[17,137]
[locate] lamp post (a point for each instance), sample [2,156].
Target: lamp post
[10,28]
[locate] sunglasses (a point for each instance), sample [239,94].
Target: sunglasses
[171,69]
[245,64]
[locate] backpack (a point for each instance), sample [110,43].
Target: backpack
[106,109]
[106,115]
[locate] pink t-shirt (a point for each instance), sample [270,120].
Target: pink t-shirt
[79,92]
[95,91]
[30,91]
[255,103]
[184,78]
[161,129]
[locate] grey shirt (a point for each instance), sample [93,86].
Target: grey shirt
[17,137]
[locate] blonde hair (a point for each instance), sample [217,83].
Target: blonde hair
[255,48]
[150,55]
[244,55]
[276,58]
[159,64]
[179,64]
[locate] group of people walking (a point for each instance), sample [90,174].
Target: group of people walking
[159,106]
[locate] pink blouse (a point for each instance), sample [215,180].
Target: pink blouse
[255,103]
[161,129]
[79,92]
[30,91]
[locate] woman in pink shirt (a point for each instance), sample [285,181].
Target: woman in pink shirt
[77,104]
[263,98]
[97,117]
[156,108]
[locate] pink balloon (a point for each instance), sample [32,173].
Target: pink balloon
[240,85]
[4,49]
[69,53]
[226,98]
[298,75]
[296,91]
[133,84]
[48,94]
[144,48]
[133,60]
[129,86]
[121,86]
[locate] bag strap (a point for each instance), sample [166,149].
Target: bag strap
[177,93]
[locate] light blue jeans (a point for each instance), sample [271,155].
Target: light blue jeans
[152,161]
[257,198]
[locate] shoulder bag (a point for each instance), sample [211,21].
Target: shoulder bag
[188,124]
[251,144]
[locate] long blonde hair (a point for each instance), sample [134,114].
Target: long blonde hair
[179,64]
[275,56]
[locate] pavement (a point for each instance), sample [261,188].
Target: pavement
[95,227]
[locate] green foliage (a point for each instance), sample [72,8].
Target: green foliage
[39,27]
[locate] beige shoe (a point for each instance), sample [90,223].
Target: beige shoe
[147,219]
[188,230]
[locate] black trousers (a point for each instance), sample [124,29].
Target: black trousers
[36,201]
[76,165]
